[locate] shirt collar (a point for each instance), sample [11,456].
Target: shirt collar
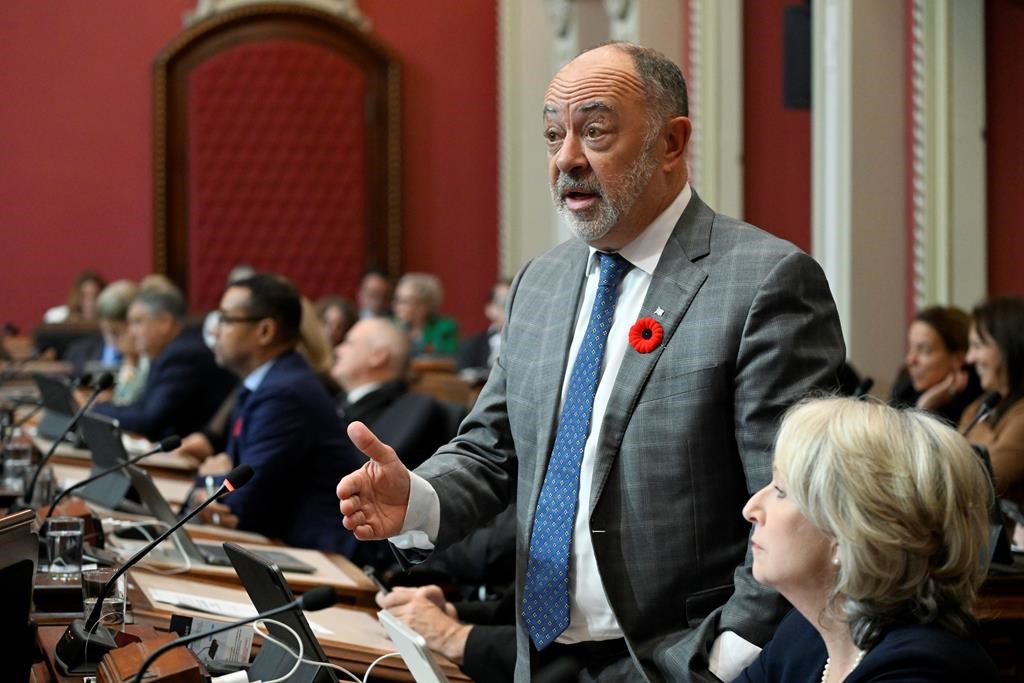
[254,379]
[644,251]
[360,392]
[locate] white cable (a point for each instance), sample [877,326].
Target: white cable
[267,636]
[330,665]
[366,678]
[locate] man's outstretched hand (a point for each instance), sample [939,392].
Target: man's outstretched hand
[374,498]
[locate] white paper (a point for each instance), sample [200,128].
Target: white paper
[226,608]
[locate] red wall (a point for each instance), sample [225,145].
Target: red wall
[448,51]
[1004,67]
[75,135]
[776,140]
[75,171]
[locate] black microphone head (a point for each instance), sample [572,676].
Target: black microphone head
[83,380]
[239,477]
[990,401]
[171,443]
[864,387]
[318,598]
[105,381]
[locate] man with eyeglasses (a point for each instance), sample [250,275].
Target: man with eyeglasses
[184,386]
[283,423]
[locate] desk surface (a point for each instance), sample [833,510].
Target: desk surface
[351,637]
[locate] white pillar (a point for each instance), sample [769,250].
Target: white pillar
[950,261]
[859,226]
[716,103]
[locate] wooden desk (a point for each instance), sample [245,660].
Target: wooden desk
[1000,613]
[351,637]
[171,465]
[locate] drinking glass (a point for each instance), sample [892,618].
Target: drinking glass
[113,610]
[64,547]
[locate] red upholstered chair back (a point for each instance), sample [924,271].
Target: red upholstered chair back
[275,144]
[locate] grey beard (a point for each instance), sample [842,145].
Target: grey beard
[613,202]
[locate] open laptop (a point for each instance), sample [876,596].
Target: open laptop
[104,440]
[267,589]
[58,407]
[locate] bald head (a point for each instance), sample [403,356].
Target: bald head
[374,350]
[616,135]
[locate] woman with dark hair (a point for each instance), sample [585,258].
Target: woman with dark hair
[935,377]
[996,350]
[81,305]
[872,527]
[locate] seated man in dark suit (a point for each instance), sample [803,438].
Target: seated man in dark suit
[370,366]
[477,353]
[184,386]
[284,423]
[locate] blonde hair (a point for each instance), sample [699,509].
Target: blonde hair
[906,500]
[427,288]
[312,342]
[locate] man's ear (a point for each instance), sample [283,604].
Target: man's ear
[676,136]
[378,358]
[266,331]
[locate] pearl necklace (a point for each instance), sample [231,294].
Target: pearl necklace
[828,660]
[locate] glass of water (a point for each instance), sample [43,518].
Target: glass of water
[17,461]
[64,547]
[113,610]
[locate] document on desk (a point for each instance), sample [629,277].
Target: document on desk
[224,608]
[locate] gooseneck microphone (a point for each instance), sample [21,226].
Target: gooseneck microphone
[105,381]
[312,601]
[988,403]
[86,641]
[168,444]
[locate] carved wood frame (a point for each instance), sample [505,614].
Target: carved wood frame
[276,21]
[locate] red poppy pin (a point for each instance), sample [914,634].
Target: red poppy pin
[645,335]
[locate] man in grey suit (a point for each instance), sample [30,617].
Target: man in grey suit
[630,456]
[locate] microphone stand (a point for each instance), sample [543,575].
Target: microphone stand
[106,380]
[86,641]
[168,444]
[185,640]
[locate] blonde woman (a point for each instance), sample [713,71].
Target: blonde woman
[872,527]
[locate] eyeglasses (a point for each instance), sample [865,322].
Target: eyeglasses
[222,318]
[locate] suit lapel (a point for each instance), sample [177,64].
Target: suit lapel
[676,280]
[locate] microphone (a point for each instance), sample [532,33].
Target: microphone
[83,380]
[312,601]
[85,641]
[168,444]
[863,388]
[988,403]
[105,381]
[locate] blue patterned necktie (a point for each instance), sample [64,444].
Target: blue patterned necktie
[546,594]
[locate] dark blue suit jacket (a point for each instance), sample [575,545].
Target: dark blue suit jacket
[910,654]
[289,432]
[183,390]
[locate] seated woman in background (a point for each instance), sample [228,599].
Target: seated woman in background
[81,305]
[336,315]
[996,351]
[873,528]
[417,307]
[935,377]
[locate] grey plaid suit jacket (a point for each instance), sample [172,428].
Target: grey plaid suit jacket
[750,327]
